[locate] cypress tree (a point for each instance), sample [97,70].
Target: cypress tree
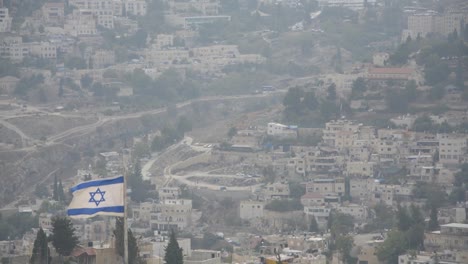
[133,251]
[173,251]
[313,227]
[433,222]
[60,193]
[40,253]
[55,193]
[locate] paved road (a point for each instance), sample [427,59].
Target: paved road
[30,190]
[25,140]
[90,128]
[203,185]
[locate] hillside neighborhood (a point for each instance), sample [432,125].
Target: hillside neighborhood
[247,131]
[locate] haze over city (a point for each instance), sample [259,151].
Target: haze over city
[234,131]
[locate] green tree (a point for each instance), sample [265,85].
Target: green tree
[63,235]
[423,124]
[394,245]
[75,63]
[341,224]
[460,82]
[403,219]
[397,102]
[133,251]
[296,189]
[313,226]
[86,81]
[140,189]
[7,68]
[384,217]
[173,251]
[358,88]
[433,221]
[61,194]
[141,150]
[347,194]
[40,253]
[41,191]
[232,132]
[411,90]
[55,194]
[293,97]
[184,125]
[331,92]
[310,101]
[344,244]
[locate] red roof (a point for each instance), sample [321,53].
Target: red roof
[390,71]
[312,195]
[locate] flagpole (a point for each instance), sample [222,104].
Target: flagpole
[125,225]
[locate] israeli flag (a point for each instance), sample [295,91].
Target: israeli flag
[98,197]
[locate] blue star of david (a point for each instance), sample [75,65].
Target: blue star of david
[93,199]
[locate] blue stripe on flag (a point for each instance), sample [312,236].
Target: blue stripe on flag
[91,211]
[88,184]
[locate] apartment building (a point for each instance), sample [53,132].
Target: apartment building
[351,4]
[169,193]
[216,51]
[142,211]
[368,252]
[166,56]
[203,7]
[424,146]
[277,191]
[358,212]
[333,187]
[251,209]
[280,130]
[445,257]
[5,20]
[95,231]
[312,199]
[103,59]
[13,48]
[382,74]
[134,7]
[359,153]
[380,59]
[422,24]
[386,148]
[163,41]
[361,189]
[333,128]
[53,13]
[81,23]
[319,212]
[452,148]
[452,214]
[45,50]
[452,236]
[360,168]
[8,84]
[172,213]
[196,21]
[296,166]
[103,10]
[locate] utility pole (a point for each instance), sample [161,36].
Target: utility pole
[125,225]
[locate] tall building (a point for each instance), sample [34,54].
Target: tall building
[5,20]
[422,24]
[351,4]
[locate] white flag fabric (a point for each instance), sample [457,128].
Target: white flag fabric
[98,197]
